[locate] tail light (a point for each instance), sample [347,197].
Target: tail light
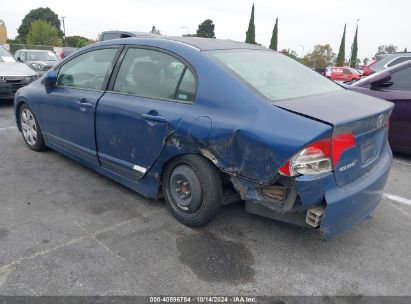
[319,157]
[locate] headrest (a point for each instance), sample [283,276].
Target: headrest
[146,73]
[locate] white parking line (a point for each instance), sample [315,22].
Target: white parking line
[397,199]
[7,128]
[402,162]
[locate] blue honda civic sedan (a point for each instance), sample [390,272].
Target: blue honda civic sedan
[199,120]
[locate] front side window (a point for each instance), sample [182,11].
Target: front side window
[274,75]
[153,74]
[88,70]
[401,80]
[18,54]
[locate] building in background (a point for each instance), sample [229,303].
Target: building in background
[3,32]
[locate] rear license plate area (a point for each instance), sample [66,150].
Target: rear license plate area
[368,151]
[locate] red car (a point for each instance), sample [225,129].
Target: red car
[345,74]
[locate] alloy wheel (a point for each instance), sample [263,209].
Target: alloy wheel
[29,127]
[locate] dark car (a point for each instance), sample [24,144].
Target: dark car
[195,118]
[108,35]
[393,84]
[39,60]
[385,61]
[13,75]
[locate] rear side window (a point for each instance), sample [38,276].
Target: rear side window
[87,71]
[153,74]
[401,79]
[187,88]
[398,60]
[274,75]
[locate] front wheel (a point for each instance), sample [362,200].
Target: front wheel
[192,189]
[30,128]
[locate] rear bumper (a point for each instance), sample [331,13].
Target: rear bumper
[345,206]
[352,203]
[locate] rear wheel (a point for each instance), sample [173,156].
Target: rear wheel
[30,128]
[192,189]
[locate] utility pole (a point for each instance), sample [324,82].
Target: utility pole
[302,54]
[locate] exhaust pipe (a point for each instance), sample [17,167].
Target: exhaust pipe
[314,216]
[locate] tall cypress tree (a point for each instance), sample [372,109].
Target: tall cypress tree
[250,34]
[341,53]
[354,50]
[274,37]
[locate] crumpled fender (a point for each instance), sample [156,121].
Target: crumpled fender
[311,189]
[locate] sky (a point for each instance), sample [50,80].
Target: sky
[302,23]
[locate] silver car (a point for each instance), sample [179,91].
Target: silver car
[13,75]
[39,60]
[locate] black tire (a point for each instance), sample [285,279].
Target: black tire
[204,189]
[36,143]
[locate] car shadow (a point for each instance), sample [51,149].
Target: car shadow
[6,103]
[402,157]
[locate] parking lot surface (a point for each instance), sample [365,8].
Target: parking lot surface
[65,230]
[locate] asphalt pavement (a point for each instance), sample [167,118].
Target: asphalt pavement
[65,230]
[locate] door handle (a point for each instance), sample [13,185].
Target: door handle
[156,118]
[83,103]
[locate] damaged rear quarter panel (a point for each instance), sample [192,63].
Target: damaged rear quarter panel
[241,132]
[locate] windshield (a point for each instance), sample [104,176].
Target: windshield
[6,56]
[274,75]
[41,56]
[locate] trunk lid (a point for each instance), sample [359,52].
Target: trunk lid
[349,112]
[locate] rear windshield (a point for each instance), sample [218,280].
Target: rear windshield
[274,75]
[41,56]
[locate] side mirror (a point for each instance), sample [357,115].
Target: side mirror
[381,80]
[50,79]
[19,59]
